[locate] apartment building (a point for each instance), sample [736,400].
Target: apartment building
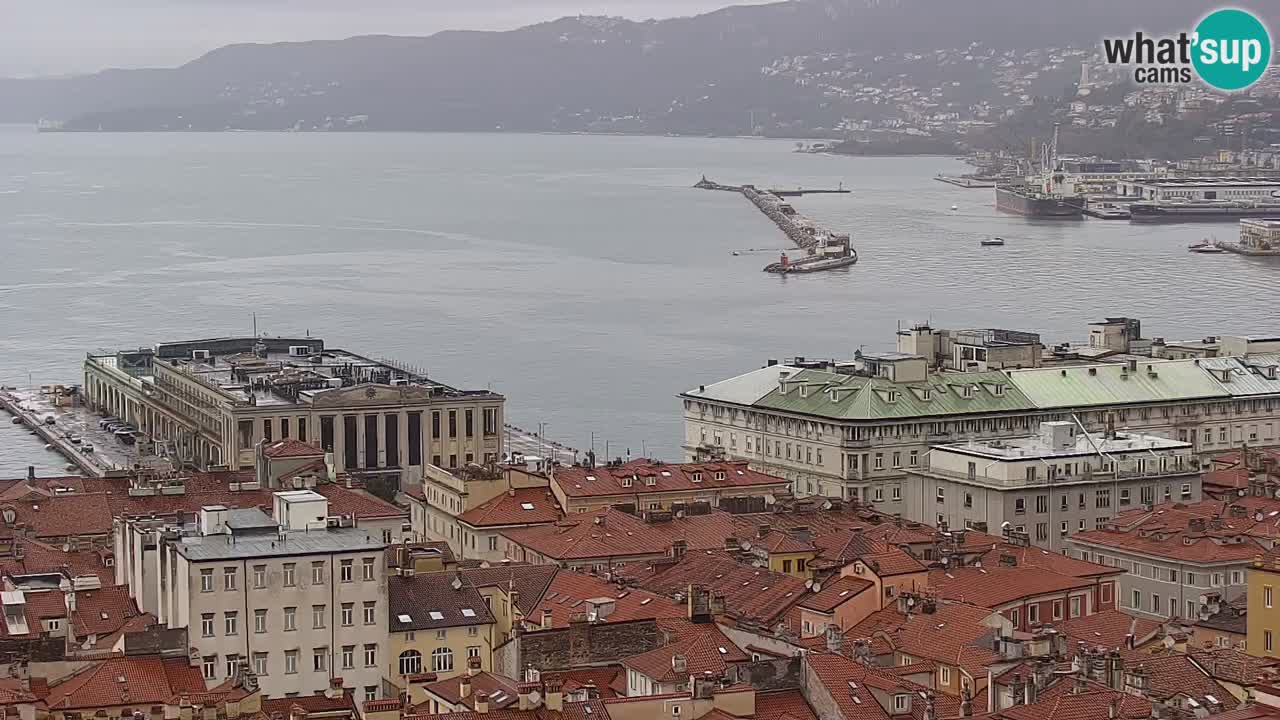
[439,622]
[211,402]
[1181,558]
[1049,485]
[847,429]
[465,507]
[302,598]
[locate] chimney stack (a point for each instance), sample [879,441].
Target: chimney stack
[482,704]
[554,695]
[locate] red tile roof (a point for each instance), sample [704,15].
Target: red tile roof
[38,557]
[612,533]
[634,478]
[312,704]
[609,682]
[103,611]
[530,581]
[60,516]
[1034,557]
[850,684]
[1174,674]
[783,705]
[1210,531]
[750,593]
[454,601]
[590,710]
[1108,628]
[12,692]
[1235,666]
[835,593]
[342,501]
[521,506]
[569,590]
[706,651]
[149,680]
[996,587]
[291,448]
[1061,701]
[502,691]
[954,634]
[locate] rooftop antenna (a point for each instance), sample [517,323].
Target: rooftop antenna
[255,324]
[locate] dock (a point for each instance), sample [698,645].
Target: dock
[817,242]
[1239,249]
[108,458]
[966,182]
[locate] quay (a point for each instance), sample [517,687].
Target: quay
[705,184]
[1239,249]
[108,457]
[966,182]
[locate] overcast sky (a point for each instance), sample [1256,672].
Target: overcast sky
[69,36]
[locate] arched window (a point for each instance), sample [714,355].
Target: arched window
[410,662]
[442,660]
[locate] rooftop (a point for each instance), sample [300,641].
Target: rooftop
[434,600]
[1212,182]
[1207,532]
[519,506]
[295,542]
[271,371]
[639,477]
[1078,444]
[994,587]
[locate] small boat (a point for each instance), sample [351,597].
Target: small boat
[992,242]
[955,207]
[736,253]
[1207,249]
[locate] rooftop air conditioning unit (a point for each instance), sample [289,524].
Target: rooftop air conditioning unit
[299,350]
[199,354]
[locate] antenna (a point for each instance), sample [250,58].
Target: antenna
[255,324]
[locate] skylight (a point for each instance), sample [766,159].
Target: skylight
[646,601]
[404,618]
[526,506]
[844,593]
[722,650]
[468,612]
[436,615]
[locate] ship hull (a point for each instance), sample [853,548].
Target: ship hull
[1017,202]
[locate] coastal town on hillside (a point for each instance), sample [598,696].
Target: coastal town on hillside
[979,523]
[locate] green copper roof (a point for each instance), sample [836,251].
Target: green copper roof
[851,397]
[1114,384]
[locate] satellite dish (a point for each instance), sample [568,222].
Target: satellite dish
[817,587]
[808,584]
[911,602]
[746,545]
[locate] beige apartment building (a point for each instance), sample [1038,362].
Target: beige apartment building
[211,402]
[846,429]
[303,601]
[469,506]
[1048,486]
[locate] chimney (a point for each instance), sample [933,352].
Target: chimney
[835,640]
[482,704]
[297,712]
[527,691]
[464,686]
[473,666]
[966,702]
[31,472]
[1113,708]
[335,688]
[763,529]
[679,664]
[553,695]
[547,620]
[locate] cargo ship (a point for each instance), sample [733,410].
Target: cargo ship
[1030,201]
[1210,211]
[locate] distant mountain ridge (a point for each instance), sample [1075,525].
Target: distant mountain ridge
[687,75]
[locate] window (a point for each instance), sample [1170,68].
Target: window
[897,492]
[317,617]
[1237,577]
[1033,614]
[1042,503]
[901,702]
[913,458]
[206,580]
[410,662]
[370,692]
[786,566]
[442,660]
[1062,528]
[260,664]
[1102,498]
[473,651]
[259,621]
[897,459]
[470,414]
[266,429]
[1075,606]
[290,619]
[1266,596]
[1057,609]
[1019,505]
[320,660]
[453,423]
[317,572]
[370,606]
[1124,496]
[209,667]
[231,622]
[370,655]
[348,657]
[348,614]
[1155,603]
[346,571]
[1266,641]
[941,494]
[288,576]
[1015,617]
[968,500]
[1137,600]
[366,569]
[206,625]
[944,675]
[259,576]
[1042,531]
[878,495]
[493,543]
[1217,579]
[291,662]
[879,462]
[442,634]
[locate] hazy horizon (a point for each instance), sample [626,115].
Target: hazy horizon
[59,37]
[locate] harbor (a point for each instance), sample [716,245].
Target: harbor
[824,250]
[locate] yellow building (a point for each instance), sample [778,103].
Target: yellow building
[437,621]
[789,552]
[1264,613]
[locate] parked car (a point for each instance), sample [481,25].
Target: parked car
[86,447]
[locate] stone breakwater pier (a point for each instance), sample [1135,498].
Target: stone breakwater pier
[824,250]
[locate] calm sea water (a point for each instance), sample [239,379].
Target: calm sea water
[580,276]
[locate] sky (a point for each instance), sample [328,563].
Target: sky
[47,37]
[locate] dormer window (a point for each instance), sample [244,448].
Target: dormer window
[651,481]
[901,703]
[966,391]
[697,477]
[720,476]
[926,394]
[998,390]
[892,396]
[626,482]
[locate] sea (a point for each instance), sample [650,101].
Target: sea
[580,276]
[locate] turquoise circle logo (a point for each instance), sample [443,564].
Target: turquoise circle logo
[1232,49]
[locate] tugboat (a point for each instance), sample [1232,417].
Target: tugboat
[992,242]
[1206,246]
